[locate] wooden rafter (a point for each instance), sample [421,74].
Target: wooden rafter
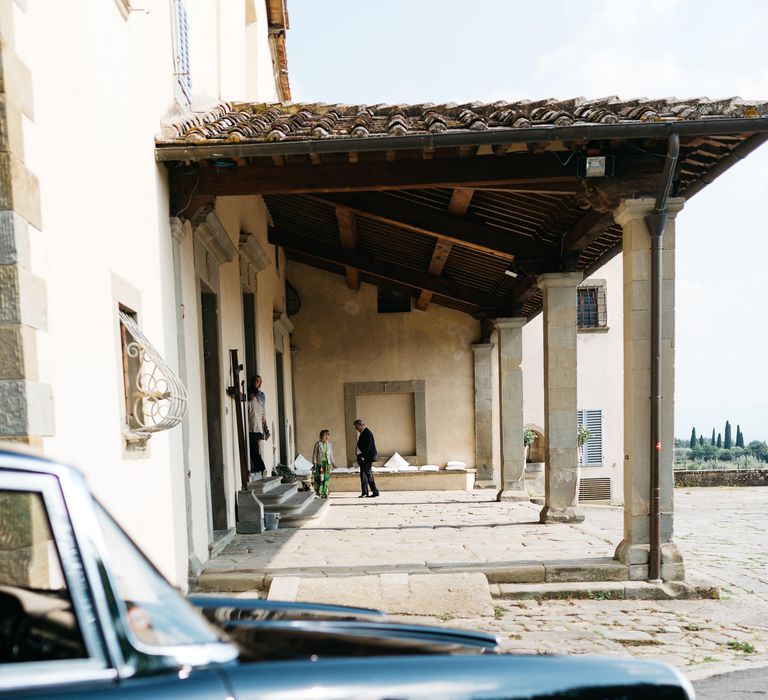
[348,237]
[369,265]
[460,199]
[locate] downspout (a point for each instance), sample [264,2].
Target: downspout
[656,224]
[194,566]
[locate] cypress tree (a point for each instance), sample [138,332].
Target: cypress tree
[719,440]
[739,437]
[713,437]
[693,438]
[701,440]
[727,440]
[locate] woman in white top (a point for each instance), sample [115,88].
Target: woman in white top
[322,459]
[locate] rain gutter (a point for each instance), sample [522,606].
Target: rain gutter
[656,224]
[494,136]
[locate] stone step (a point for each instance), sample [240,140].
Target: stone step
[292,506]
[314,511]
[604,590]
[278,495]
[265,485]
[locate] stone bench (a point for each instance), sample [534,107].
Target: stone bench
[443,480]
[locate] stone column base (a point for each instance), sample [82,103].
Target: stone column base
[571,514]
[636,557]
[512,494]
[485,484]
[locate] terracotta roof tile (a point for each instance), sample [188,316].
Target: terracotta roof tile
[258,122]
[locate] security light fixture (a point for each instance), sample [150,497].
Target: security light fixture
[595,166]
[510,273]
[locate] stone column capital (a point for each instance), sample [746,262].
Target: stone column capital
[511,322]
[481,348]
[559,279]
[638,209]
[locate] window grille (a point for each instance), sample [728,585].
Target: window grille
[181,54]
[591,311]
[591,454]
[155,398]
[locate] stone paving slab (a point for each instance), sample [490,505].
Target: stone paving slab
[455,595]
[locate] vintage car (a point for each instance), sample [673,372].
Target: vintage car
[83,614]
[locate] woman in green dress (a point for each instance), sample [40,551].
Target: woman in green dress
[322,459]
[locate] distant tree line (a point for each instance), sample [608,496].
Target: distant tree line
[721,446]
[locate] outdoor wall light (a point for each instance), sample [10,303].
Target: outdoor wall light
[510,273]
[595,166]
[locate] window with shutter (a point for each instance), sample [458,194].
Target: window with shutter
[592,453]
[181,53]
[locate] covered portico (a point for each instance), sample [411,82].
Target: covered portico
[496,212]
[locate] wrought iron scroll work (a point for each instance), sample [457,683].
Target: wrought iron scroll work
[157,396]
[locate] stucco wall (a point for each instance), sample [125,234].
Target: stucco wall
[340,338]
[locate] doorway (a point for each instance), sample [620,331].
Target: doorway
[281,427]
[249,332]
[210,318]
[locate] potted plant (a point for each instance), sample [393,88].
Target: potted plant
[529,437]
[581,439]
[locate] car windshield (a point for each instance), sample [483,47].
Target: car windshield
[155,612]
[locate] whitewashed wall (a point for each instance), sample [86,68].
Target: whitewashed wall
[102,81]
[600,377]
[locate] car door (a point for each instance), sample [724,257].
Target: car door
[54,639]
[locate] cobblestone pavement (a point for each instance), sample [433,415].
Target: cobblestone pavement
[720,531]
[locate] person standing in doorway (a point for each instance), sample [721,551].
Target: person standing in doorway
[257,424]
[366,456]
[322,461]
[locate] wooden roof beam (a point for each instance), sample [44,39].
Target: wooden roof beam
[348,237]
[262,177]
[440,286]
[586,229]
[460,199]
[427,221]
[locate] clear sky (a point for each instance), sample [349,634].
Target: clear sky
[372,51]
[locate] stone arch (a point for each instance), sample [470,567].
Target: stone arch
[536,450]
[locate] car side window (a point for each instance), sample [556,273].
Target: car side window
[37,620]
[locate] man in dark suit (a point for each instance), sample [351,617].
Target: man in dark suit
[366,456]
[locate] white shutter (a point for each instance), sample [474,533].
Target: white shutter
[592,419]
[181,63]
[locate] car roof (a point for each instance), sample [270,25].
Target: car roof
[20,457]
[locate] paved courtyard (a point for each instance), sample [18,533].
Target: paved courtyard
[720,531]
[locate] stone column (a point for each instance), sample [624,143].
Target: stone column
[510,332]
[561,475]
[26,404]
[636,255]
[483,414]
